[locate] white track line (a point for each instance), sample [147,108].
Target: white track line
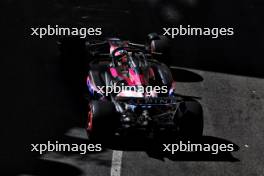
[116,163]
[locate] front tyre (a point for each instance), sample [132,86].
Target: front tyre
[101,121]
[189,119]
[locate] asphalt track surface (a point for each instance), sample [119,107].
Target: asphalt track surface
[40,104]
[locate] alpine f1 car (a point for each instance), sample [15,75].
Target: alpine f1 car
[130,89]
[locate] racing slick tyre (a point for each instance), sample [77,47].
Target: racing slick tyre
[158,43]
[160,47]
[153,36]
[190,119]
[101,120]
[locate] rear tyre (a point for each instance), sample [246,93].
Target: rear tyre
[160,47]
[101,121]
[158,43]
[153,36]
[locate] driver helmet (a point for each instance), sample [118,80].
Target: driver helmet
[120,60]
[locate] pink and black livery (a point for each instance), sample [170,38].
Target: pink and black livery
[116,62]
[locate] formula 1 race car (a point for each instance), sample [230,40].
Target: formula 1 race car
[129,89]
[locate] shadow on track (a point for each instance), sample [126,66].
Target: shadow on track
[45,167]
[182,75]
